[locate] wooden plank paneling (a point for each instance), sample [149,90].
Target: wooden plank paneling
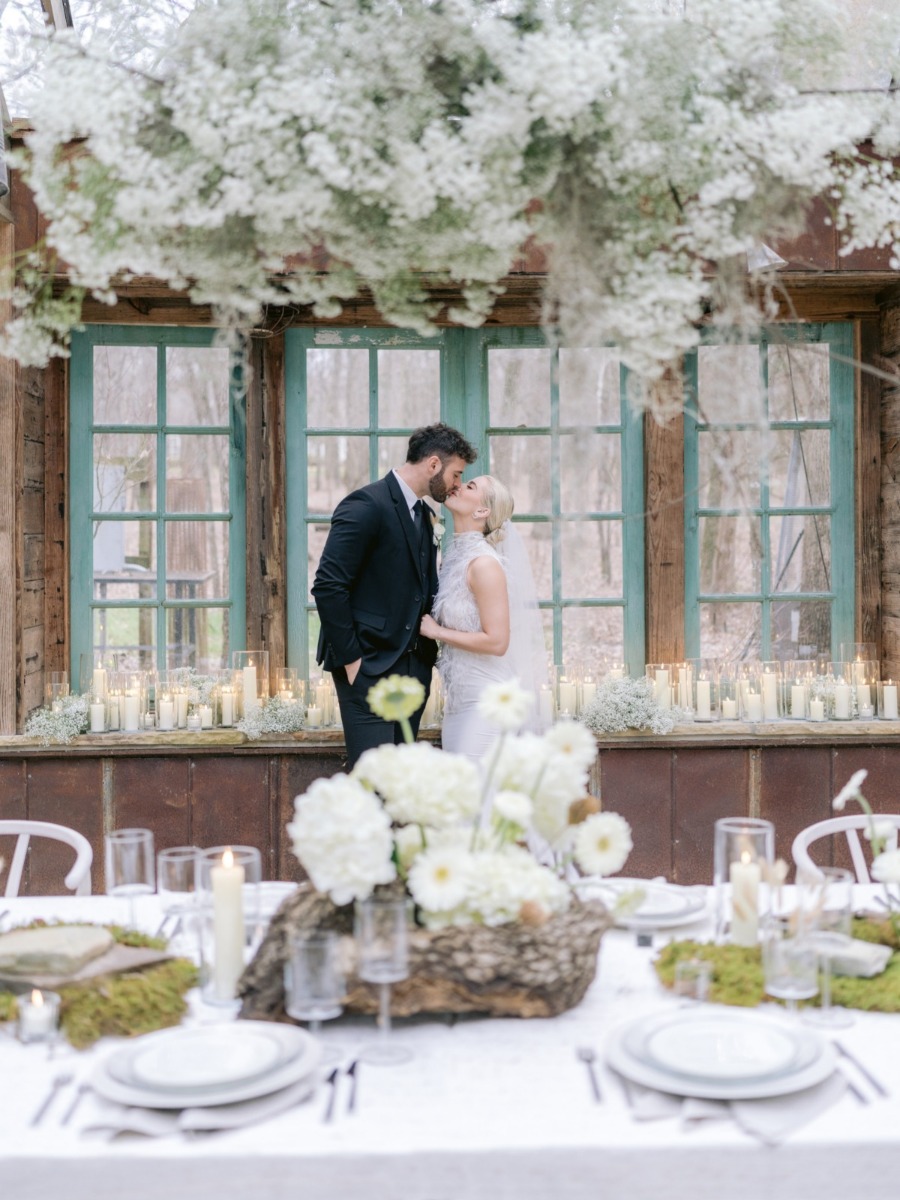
[868,486]
[795,790]
[153,793]
[56,566]
[9,490]
[67,791]
[664,475]
[639,788]
[707,786]
[230,804]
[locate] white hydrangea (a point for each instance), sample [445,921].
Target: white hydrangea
[342,837]
[420,784]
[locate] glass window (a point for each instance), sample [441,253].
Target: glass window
[162,487]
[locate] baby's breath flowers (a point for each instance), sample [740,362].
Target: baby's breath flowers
[60,726]
[622,704]
[275,716]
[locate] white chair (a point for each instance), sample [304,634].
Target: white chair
[78,879]
[849,825]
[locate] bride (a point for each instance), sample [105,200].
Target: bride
[485,614]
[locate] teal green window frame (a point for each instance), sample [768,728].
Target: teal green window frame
[81,510]
[838,336]
[465,405]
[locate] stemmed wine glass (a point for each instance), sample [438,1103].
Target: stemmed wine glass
[381,934]
[130,867]
[834,915]
[314,983]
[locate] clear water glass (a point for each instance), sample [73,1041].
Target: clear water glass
[130,866]
[314,982]
[176,887]
[383,948]
[833,891]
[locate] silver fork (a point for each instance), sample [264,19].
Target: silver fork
[60,1081]
[588,1056]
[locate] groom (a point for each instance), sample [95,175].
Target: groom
[378,576]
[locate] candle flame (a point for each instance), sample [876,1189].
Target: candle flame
[37,998]
[745,857]
[228,859]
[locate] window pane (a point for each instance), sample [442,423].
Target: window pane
[801,553]
[409,388]
[197,385]
[799,383]
[729,468]
[523,464]
[800,468]
[124,385]
[391,453]
[591,475]
[124,472]
[591,559]
[197,473]
[728,381]
[538,540]
[519,387]
[126,549]
[131,631]
[730,555]
[589,387]
[336,466]
[593,636]
[801,629]
[730,631]
[196,560]
[316,537]
[337,389]
[198,638]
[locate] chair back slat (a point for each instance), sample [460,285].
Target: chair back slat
[16,867]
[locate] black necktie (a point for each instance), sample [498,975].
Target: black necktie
[421,522]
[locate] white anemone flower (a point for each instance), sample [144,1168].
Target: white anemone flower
[574,742]
[602,844]
[505,705]
[439,878]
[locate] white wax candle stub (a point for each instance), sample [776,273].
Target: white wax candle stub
[38,1016]
[132,709]
[314,716]
[798,700]
[98,682]
[842,701]
[227,882]
[228,707]
[166,713]
[566,696]
[181,709]
[889,695]
[206,716]
[729,709]
[754,706]
[770,696]
[817,710]
[98,717]
[663,699]
[703,700]
[251,700]
[745,877]
[193,720]
[863,696]
[285,694]
[866,712]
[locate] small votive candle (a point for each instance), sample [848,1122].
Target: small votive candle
[38,1016]
[817,709]
[314,716]
[193,720]
[729,709]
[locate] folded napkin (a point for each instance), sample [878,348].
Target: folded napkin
[771,1119]
[859,958]
[114,1119]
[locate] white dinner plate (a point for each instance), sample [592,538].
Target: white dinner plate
[780,1083]
[664,905]
[298,1055]
[715,1044]
[208,1056]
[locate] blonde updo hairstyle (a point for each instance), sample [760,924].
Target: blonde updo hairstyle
[498,498]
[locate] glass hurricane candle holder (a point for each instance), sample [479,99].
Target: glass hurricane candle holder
[38,1016]
[743,853]
[660,674]
[566,694]
[887,700]
[286,684]
[841,690]
[134,700]
[799,680]
[613,669]
[706,690]
[864,677]
[56,688]
[728,685]
[771,684]
[228,885]
[682,680]
[858,651]
[749,687]
[94,672]
[251,679]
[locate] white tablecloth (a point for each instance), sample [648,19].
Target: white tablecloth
[486,1110]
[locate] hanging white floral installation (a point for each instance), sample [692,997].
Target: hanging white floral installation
[409,147]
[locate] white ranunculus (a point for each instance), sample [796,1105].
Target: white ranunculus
[886,867]
[342,837]
[420,784]
[505,705]
[602,844]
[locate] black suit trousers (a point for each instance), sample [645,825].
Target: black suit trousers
[362,728]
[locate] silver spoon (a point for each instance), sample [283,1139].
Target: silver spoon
[589,1056]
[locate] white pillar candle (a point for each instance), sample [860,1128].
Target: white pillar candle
[166,713]
[729,709]
[817,709]
[227,882]
[889,694]
[98,717]
[588,692]
[567,699]
[313,716]
[703,708]
[663,698]
[227,706]
[546,705]
[744,877]
[770,696]
[798,700]
[841,701]
[859,671]
[251,700]
[205,716]
[685,687]
[863,696]
[132,711]
[754,706]
[181,709]
[98,685]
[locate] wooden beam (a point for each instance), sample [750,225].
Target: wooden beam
[10,474]
[664,475]
[868,484]
[56,509]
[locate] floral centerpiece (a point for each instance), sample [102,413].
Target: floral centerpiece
[621,704]
[488,859]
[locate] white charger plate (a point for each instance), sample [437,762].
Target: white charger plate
[806,1074]
[664,906]
[208,1056]
[298,1055]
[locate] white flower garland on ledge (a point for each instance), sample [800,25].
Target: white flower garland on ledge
[275,716]
[60,727]
[622,704]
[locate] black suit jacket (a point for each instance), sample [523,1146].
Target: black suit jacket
[373,585]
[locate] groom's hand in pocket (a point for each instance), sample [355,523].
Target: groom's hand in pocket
[352,670]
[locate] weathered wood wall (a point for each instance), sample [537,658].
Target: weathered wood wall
[889,517]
